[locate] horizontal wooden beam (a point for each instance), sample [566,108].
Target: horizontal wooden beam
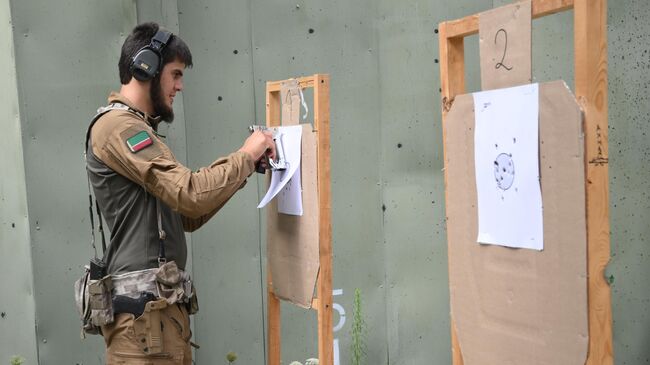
[469,25]
[303,82]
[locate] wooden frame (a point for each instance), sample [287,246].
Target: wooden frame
[323,303]
[590,42]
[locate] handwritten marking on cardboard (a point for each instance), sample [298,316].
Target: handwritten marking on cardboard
[505,49]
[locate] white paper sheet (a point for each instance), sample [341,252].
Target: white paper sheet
[506,155]
[291,197]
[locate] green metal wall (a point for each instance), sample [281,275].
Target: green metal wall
[387,183]
[17,331]
[629,153]
[66,57]
[227,261]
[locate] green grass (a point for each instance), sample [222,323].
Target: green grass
[17,360]
[358,331]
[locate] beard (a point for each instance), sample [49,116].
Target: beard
[158,100]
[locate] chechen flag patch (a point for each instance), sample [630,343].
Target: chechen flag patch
[139,142]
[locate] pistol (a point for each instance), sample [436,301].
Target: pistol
[135,306]
[275,165]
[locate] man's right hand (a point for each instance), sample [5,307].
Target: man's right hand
[258,145]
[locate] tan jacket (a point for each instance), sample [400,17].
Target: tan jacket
[125,177]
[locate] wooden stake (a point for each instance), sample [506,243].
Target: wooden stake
[322,125]
[591,92]
[452,80]
[274,326]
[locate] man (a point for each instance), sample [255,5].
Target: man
[149,199]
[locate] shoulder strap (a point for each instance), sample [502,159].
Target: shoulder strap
[100,112]
[105,109]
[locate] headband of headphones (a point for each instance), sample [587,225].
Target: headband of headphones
[146,62]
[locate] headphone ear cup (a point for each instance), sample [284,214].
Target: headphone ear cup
[145,65]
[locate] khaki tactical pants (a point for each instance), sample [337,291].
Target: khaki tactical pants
[161,336]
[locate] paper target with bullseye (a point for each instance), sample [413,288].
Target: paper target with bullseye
[506,157]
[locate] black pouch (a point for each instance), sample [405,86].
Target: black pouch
[97,269]
[193,304]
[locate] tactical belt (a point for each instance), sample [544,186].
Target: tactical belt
[131,284]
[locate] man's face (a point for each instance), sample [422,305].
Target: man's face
[164,89]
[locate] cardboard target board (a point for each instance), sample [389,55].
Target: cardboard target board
[521,306]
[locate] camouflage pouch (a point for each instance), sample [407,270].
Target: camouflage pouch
[175,286]
[81,297]
[100,302]
[93,302]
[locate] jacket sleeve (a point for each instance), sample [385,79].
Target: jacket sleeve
[192,224]
[129,146]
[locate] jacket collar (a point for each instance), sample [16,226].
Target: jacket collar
[153,121]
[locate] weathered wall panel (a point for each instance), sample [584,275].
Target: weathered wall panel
[629,153]
[219,107]
[17,315]
[66,64]
[417,308]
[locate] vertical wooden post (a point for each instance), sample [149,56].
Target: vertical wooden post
[452,79]
[324,291]
[273,107]
[590,25]
[274,329]
[274,326]
[452,66]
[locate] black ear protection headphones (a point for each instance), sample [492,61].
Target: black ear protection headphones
[146,62]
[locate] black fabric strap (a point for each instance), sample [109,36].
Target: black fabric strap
[100,226]
[161,236]
[92,222]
